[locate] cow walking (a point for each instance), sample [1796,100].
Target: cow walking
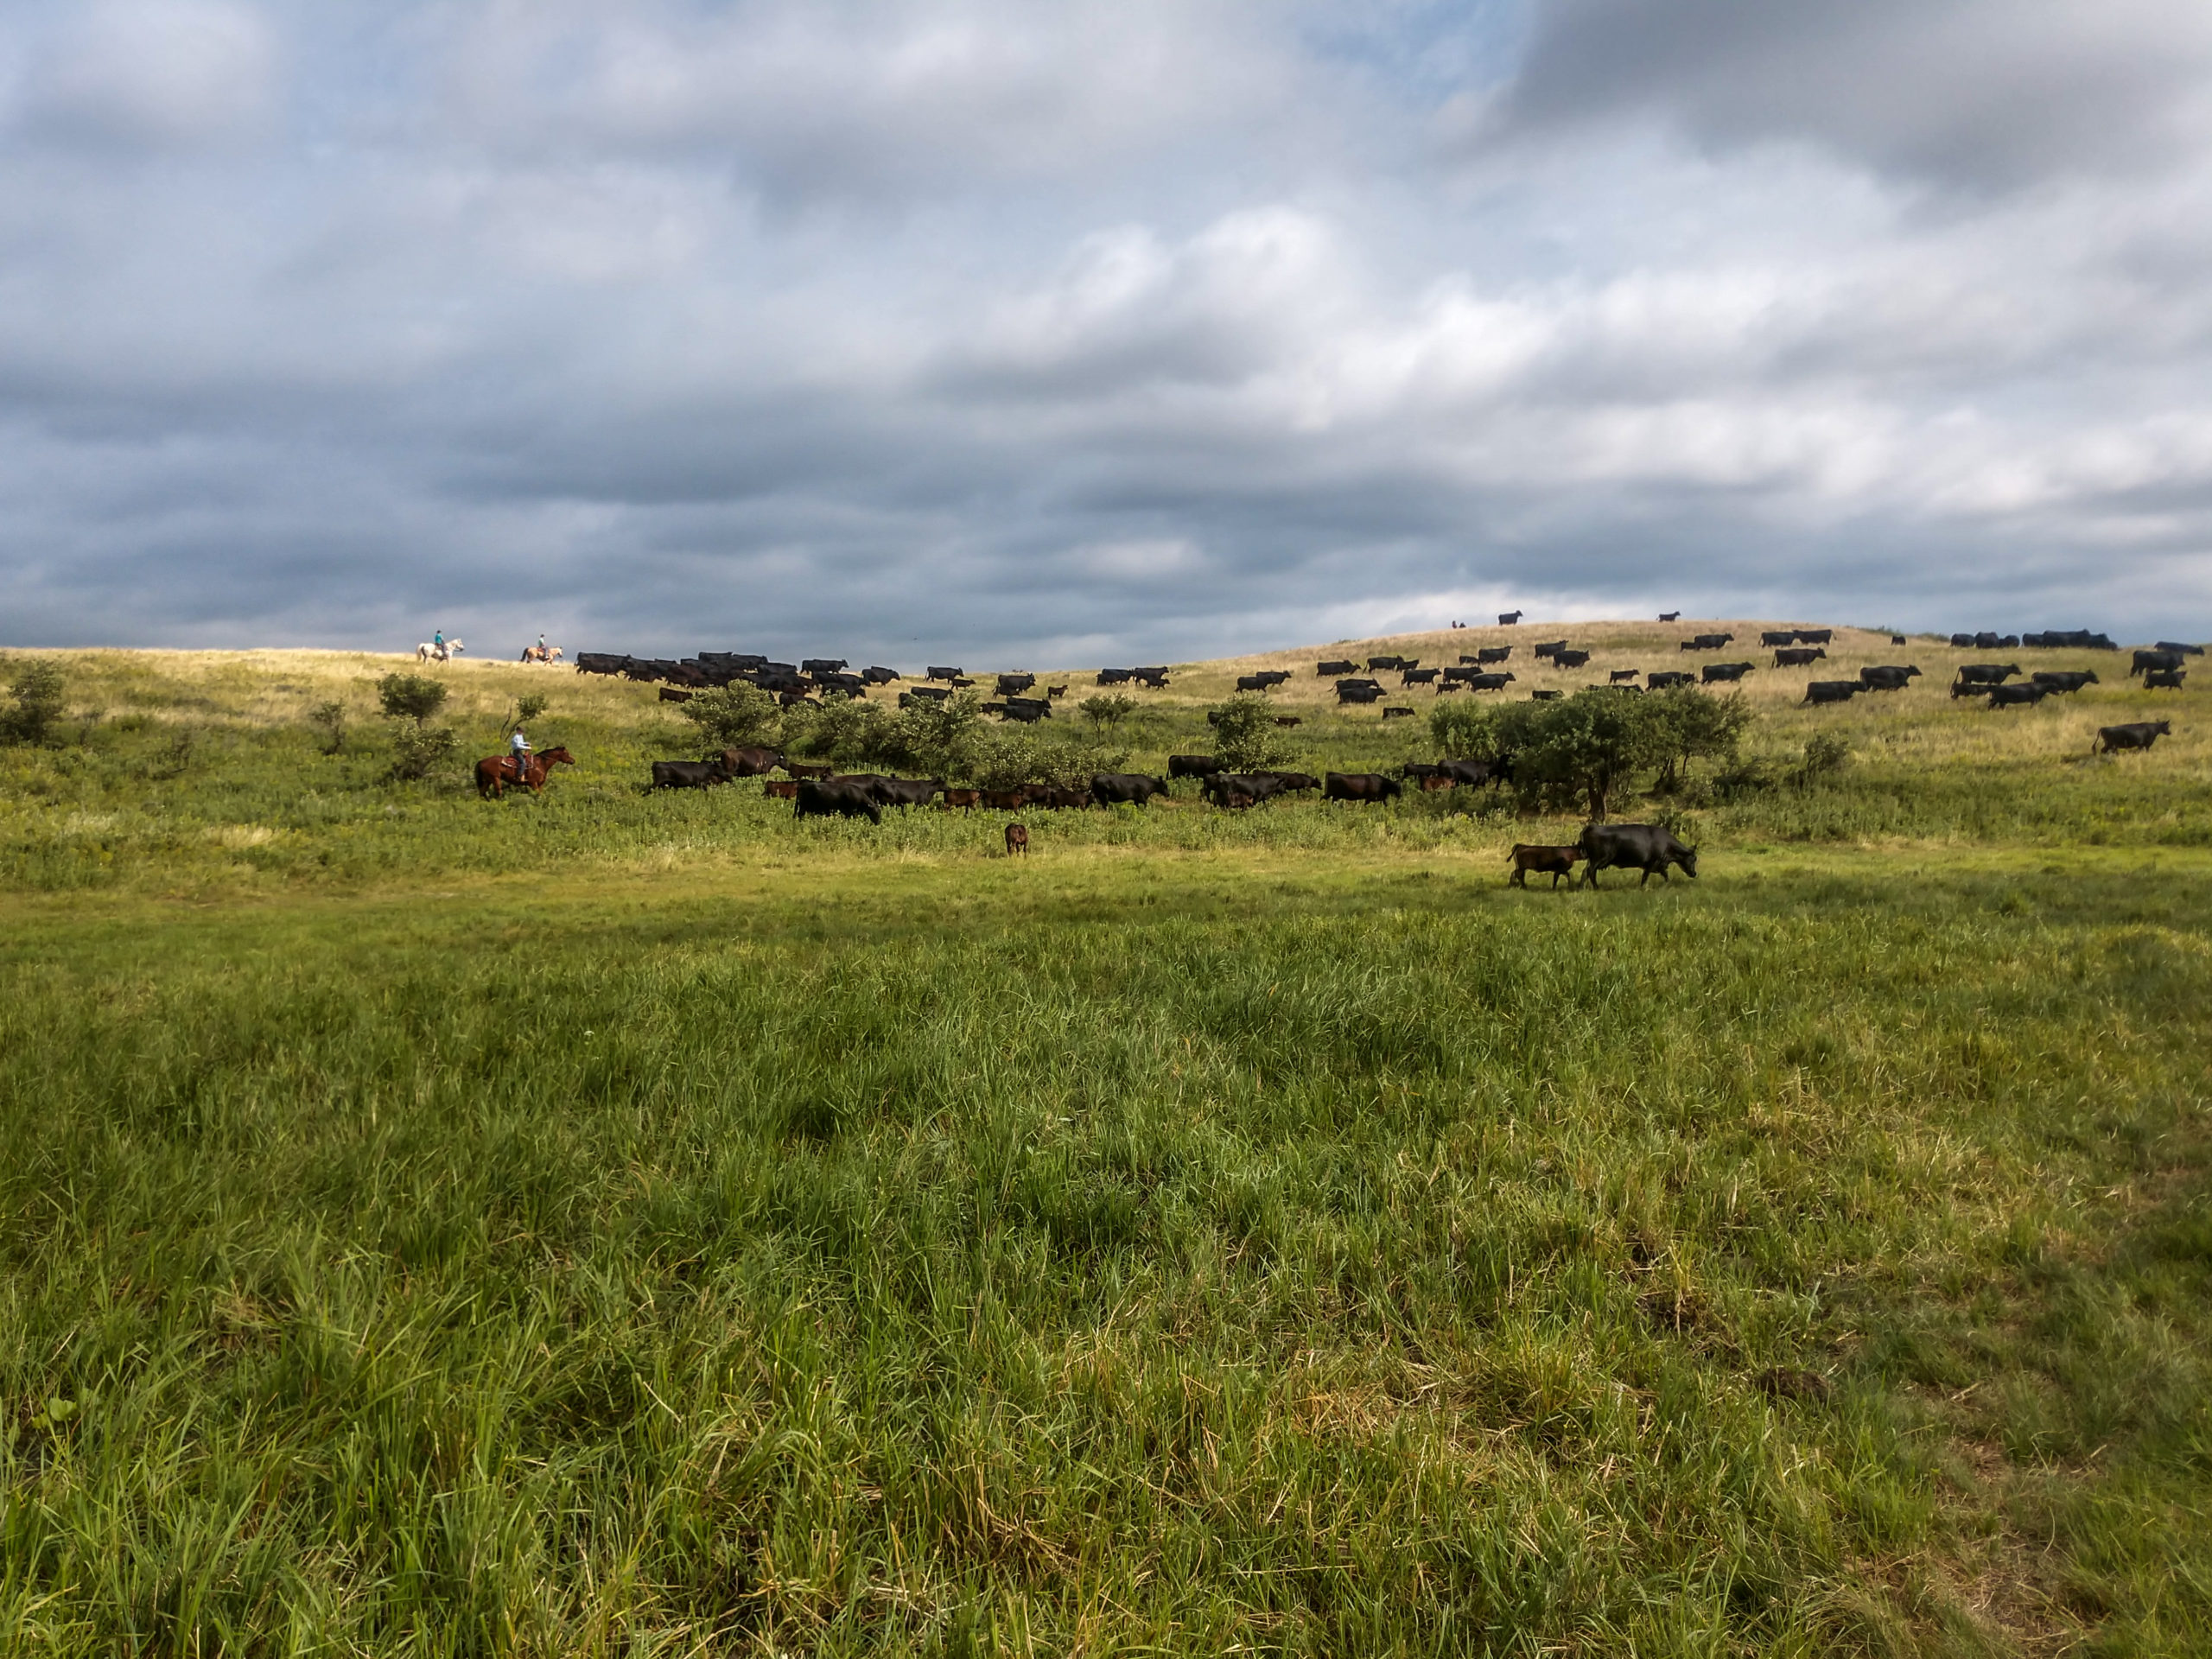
[1017,840]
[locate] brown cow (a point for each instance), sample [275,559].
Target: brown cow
[803,769]
[750,763]
[964,799]
[1005,800]
[1017,840]
[1560,861]
[777,790]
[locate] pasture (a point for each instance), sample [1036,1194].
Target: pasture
[610,1223]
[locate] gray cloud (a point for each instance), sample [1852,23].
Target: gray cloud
[963,329]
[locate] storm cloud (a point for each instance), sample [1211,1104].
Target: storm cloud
[1069,334]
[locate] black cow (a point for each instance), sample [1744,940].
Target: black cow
[1331,670]
[2065,679]
[1154,677]
[1489,681]
[1361,786]
[1725,673]
[1492,654]
[749,763]
[2146,661]
[1397,714]
[879,676]
[1472,773]
[823,665]
[1971,688]
[2185,649]
[1815,636]
[942,674]
[2137,734]
[1622,675]
[2015,697]
[841,797]
[1193,765]
[1013,685]
[1987,673]
[1291,781]
[1661,679]
[906,791]
[1129,788]
[1116,676]
[689,774]
[1670,616]
[1420,676]
[1963,642]
[1707,642]
[1024,711]
[1888,677]
[1253,682]
[1799,655]
[2164,679]
[1779,637]
[1359,692]
[1833,690]
[1550,648]
[1570,658]
[1375,662]
[1507,618]
[1647,847]
[1546,696]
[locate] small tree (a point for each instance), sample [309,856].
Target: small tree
[530,706]
[1825,754]
[1688,724]
[941,737]
[1246,737]
[736,716]
[329,718]
[1107,711]
[848,730]
[1586,747]
[410,696]
[36,691]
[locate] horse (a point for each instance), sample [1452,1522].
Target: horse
[495,772]
[428,652]
[541,653]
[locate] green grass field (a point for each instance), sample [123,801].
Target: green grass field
[606,1224]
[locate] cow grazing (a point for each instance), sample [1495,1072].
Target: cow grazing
[1056,690]
[688,774]
[1507,618]
[1987,673]
[1193,765]
[841,798]
[1661,679]
[2057,680]
[1833,690]
[1017,839]
[1799,655]
[1331,670]
[2015,697]
[1888,677]
[1552,860]
[2137,734]
[1360,786]
[1057,796]
[2164,679]
[1359,692]
[1647,847]
[1571,658]
[749,763]
[1725,673]
[1125,788]
[777,789]
[2150,661]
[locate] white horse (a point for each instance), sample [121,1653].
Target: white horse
[430,653]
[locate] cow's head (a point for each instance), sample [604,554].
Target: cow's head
[2165,729]
[1687,857]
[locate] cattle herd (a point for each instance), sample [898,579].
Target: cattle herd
[815,790]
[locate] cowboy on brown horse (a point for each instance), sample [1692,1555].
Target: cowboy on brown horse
[494,771]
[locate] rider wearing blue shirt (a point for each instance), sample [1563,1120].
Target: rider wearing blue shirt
[521,747]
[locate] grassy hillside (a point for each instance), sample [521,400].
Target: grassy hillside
[613,1223]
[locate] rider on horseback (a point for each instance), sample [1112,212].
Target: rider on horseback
[438,645]
[520,745]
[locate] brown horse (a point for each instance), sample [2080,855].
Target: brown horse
[495,772]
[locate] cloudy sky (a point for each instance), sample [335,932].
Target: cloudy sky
[1068,333]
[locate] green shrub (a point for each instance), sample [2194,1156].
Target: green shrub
[1245,735]
[36,691]
[1108,710]
[1825,754]
[329,719]
[417,750]
[410,696]
[737,717]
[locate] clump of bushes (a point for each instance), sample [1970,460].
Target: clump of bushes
[36,692]
[417,748]
[1245,735]
[1584,751]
